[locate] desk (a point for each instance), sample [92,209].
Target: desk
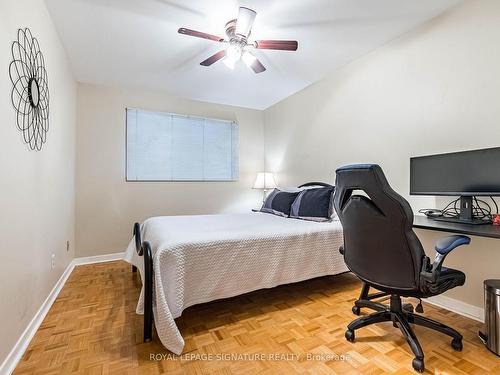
[486,230]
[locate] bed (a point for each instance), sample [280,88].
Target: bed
[194,259]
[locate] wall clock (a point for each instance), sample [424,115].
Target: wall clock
[30,89]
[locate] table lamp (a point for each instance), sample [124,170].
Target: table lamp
[264,181]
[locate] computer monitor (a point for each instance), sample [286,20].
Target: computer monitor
[466,174]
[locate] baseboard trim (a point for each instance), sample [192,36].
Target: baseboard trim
[98,259]
[456,306]
[15,355]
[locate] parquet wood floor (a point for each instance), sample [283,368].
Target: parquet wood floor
[92,328]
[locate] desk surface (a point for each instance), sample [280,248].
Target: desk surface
[486,230]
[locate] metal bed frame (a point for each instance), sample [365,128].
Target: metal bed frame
[143,248]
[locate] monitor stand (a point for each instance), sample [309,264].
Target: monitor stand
[466,214]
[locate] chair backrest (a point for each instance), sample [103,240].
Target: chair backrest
[380,246]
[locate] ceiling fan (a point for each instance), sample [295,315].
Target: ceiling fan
[239,47]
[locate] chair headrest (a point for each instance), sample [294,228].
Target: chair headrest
[371,179]
[366,176]
[353,167]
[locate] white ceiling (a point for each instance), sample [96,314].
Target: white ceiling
[134,43]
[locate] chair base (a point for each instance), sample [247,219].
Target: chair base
[402,318]
[365,300]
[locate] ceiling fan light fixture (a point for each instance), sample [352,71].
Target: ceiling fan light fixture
[229,63]
[233,54]
[245,20]
[248,58]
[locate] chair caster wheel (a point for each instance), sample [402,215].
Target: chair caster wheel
[457,344]
[356,310]
[408,307]
[349,335]
[418,364]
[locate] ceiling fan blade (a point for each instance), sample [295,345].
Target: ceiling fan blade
[199,34]
[284,45]
[257,66]
[246,17]
[252,62]
[214,58]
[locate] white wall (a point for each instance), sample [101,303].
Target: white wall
[434,90]
[107,205]
[37,188]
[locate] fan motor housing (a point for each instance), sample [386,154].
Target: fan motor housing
[232,36]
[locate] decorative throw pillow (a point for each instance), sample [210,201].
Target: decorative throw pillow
[314,204]
[279,202]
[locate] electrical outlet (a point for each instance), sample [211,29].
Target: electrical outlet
[53,261]
[67,245]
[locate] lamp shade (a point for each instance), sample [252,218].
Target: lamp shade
[264,180]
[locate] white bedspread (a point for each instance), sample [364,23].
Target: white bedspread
[202,258]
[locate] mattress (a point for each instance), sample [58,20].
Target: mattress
[203,258]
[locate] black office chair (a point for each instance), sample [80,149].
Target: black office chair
[381,248]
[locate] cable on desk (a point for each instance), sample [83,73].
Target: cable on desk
[480,209]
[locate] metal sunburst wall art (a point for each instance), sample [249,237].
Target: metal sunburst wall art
[30,90]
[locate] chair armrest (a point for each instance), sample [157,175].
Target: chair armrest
[443,247]
[447,244]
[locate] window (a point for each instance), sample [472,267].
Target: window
[171,147]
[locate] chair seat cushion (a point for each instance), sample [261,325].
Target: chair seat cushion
[448,278]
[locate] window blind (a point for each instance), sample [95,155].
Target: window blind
[172,147]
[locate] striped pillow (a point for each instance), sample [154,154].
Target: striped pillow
[279,202]
[314,204]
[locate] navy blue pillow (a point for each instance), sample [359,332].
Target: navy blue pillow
[279,202]
[314,204]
